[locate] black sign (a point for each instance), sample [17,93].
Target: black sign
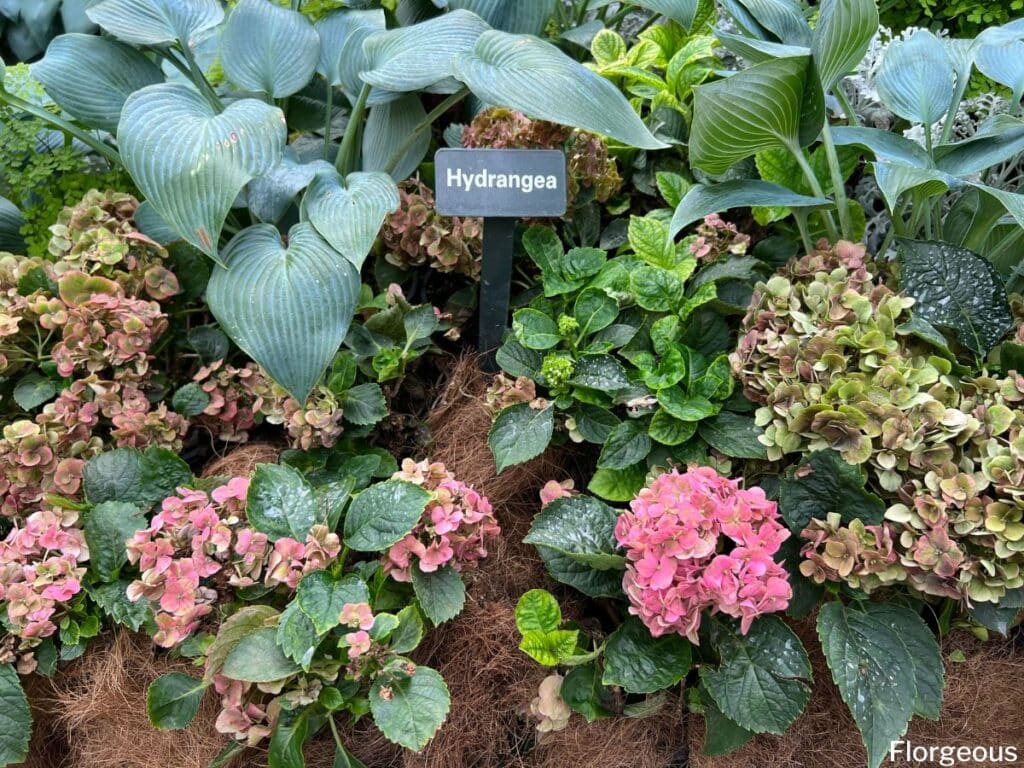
[500,183]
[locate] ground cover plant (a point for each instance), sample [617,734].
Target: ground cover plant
[775,345]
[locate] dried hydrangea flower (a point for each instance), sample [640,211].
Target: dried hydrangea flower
[549,707]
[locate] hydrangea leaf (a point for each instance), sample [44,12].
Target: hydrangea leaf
[287,306]
[581,528]
[734,435]
[641,663]
[618,484]
[257,658]
[280,503]
[285,749]
[322,595]
[583,691]
[33,390]
[916,78]
[534,329]
[129,476]
[364,405]
[156,22]
[190,400]
[520,433]
[15,718]
[270,49]
[874,672]
[549,648]
[296,635]
[237,626]
[409,709]
[538,611]
[588,580]
[190,161]
[822,484]
[410,630]
[721,735]
[536,78]
[760,683]
[627,444]
[958,289]
[999,617]
[108,526]
[441,594]
[91,77]
[929,673]
[113,599]
[172,701]
[382,514]
[600,372]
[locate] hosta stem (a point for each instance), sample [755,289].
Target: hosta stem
[812,180]
[346,160]
[838,182]
[844,102]
[328,121]
[195,73]
[62,125]
[439,110]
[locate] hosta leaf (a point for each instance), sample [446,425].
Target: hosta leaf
[91,77]
[156,22]
[734,118]
[1004,63]
[342,34]
[916,78]
[702,200]
[191,162]
[348,213]
[582,529]
[271,195]
[389,125]
[640,663]
[267,48]
[520,433]
[996,140]
[526,17]
[683,11]
[783,19]
[955,288]
[412,58]
[15,717]
[896,179]
[536,78]
[885,145]
[11,222]
[841,38]
[408,710]
[288,307]
[759,684]
[874,672]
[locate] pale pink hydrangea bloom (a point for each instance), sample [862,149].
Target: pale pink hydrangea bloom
[357,615]
[554,489]
[697,541]
[454,530]
[358,643]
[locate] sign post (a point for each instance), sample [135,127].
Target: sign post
[500,185]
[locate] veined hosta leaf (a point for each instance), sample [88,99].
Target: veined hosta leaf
[288,307]
[895,179]
[390,124]
[411,58]
[841,38]
[885,145]
[270,195]
[916,78]
[156,22]
[998,139]
[757,51]
[702,200]
[783,19]
[348,213]
[11,222]
[683,11]
[1012,201]
[525,17]
[342,34]
[191,162]
[759,108]
[536,78]
[90,77]
[1005,64]
[267,48]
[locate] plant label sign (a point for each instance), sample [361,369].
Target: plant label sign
[504,183]
[500,185]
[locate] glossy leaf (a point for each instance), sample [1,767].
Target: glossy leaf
[538,611]
[536,78]
[11,222]
[823,484]
[280,502]
[382,514]
[288,307]
[348,213]
[441,594]
[191,162]
[256,658]
[156,22]
[916,78]
[322,595]
[520,433]
[929,672]
[734,435]
[640,663]
[267,48]
[91,77]
[581,528]
[15,717]
[108,527]
[408,710]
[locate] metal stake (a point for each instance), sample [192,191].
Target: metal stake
[495,287]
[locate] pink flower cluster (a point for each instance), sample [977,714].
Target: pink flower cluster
[41,571]
[717,238]
[454,530]
[675,536]
[198,536]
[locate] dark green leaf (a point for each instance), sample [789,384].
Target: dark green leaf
[33,390]
[823,484]
[285,749]
[929,673]
[15,718]
[113,599]
[601,372]
[296,635]
[520,433]
[382,514]
[734,435]
[190,400]
[408,710]
[173,700]
[587,580]
[721,735]
[534,329]
[581,528]
[583,691]
[442,593]
[627,444]
[321,596]
[364,405]
[281,503]
[618,484]
[108,527]
[256,658]
[640,663]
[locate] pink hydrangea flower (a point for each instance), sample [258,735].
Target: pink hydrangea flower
[357,615]
[358,643]
[454,530]
[554,489]
[697,541]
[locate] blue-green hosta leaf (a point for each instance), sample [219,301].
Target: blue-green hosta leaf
[536,78]
[348,213]
[91,77]
[11,222]
[1004,63]
[269,196]
[683,11]
[782,19]
[389,125]
[841,38]
[997,139]
[412,58]
[702,200]
[267,48]
[1012,201]
[191,162]
[759,108]
[874,672]
[156,22]
[955,288]
[916,78]
[526,17]
[896,179]
[885,145]
[342,34]
[755,51]
[288,307]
